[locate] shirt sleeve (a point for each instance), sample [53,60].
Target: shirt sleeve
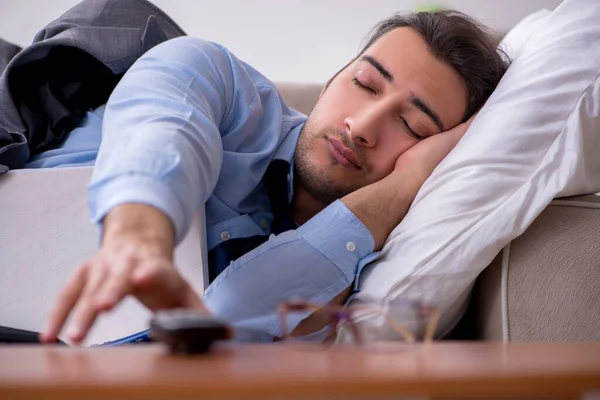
[315,262]
[164,127]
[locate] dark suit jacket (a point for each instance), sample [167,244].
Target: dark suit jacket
[72,66]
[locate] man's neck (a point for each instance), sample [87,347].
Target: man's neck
[304,205]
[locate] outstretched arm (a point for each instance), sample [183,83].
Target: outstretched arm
[160,158]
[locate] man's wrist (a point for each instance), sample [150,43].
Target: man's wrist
[405,184]
[382,205]
[142,224]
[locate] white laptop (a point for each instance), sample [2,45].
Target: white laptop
[45,233]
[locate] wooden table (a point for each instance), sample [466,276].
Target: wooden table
[442,370]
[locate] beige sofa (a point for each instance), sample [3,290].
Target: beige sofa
[545,285]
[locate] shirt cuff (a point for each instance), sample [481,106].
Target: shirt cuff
[340,236]
[106,195]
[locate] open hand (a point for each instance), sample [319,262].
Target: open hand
[125,265]
[426,155]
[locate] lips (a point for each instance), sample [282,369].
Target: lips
[343,154]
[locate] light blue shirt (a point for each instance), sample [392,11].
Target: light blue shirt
[190,125]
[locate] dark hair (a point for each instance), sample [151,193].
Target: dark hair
[459,40]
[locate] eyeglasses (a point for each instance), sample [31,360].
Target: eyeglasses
[368,323]
[362,323]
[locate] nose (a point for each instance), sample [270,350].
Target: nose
[364,126]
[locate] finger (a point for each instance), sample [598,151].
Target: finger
[145,275]
[467,124]
[158,285]
[116,286]
[66,301]
[85,312]
[473,116]
[454,135]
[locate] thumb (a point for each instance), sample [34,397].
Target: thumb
[160,286]
[157,285]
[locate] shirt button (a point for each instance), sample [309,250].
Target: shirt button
[350,246]
[264,224]
[225,235]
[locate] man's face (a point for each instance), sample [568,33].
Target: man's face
[387,100]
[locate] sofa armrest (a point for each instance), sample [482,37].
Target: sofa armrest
[545,286]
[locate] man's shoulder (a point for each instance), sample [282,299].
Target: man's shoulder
[204,56]
[193,51]
[197,43]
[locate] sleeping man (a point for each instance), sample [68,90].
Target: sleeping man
[295,206]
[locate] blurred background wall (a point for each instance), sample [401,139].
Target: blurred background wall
[288,40]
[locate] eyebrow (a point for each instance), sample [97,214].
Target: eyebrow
[384,72]
[420,104]
[417,102]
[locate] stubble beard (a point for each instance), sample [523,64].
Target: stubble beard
[315,179]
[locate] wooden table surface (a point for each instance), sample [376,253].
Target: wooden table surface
[442,370]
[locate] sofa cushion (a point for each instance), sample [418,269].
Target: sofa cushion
[545,285]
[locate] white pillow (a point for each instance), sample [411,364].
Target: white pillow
[537,138]
[513,42]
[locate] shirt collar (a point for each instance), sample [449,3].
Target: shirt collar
[287,148]
[286,151]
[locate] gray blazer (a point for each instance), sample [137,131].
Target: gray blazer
[72,65]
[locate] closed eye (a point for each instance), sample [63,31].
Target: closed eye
[410,130]
[363,87]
